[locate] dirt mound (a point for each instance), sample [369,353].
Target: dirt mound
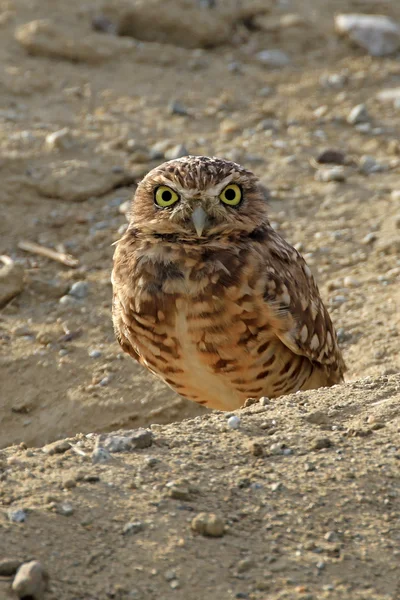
[301,500]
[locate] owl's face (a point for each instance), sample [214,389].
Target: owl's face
[198,198]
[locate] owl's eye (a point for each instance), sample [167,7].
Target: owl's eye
[165,196]
[231,195]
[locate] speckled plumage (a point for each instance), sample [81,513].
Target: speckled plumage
[231,314]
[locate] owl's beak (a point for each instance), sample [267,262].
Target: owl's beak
[199,218]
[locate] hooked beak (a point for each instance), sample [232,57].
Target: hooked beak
[199,218]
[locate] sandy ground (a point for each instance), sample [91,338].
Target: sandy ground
[120,103]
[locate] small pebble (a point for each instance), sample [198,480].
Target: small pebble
[65,509]
[244,565]
[58,447]
[369,238]
[132,528]
[176,108]
[79,290]
[331,156]
[95,353]
[127,441]
[208,525]
[100,455]
[65,300]
[276,487]
[17,516]
[358,114]
[273,58]
[368,165]
[395,195]
[351,282]
[255,448]
[61,139]
[333,174]
[234,422]
[30,581]
[320,443]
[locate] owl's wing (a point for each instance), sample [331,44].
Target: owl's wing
[304,324]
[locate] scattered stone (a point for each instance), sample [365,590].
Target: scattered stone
[45,38]
[100,455]
[126,441]
[331,536]
[277,487]
[60,140]
[309,467]
[79,290]
[264,401]
[176,152]
[368,164]
[176,108]
[273,58]
[65,509]
[331,156]
[229,126]
[317,417]
[30,581]
[390,95]
[78,180]
[233,422]
[320,443]
[170,575]
[9,566]
[52,288]
[17,516]
[333,174]
[369,238]
[395,195]
[377,34]
[179,493]
[358,114]
[208,524]
[69,483]
[334,80]
[132,528]
[250,402]
[11,279]
[58,447]
[351,282]
[95,353]
[244,565]
[104,25]
[255,448]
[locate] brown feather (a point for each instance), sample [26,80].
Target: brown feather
[231,314]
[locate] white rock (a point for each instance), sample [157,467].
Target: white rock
[389,95]
[368,165]
[333,174]
[395,195]
[273,58]
[61,139]
[234,422]
[377,34]
[358,114]
[351,282]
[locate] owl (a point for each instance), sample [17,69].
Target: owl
[210,298]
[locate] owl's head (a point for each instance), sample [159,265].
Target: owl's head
[198,198]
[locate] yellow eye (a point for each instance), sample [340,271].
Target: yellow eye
[165,196]
[231,195]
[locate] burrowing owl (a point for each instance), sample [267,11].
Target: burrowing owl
[210,298]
